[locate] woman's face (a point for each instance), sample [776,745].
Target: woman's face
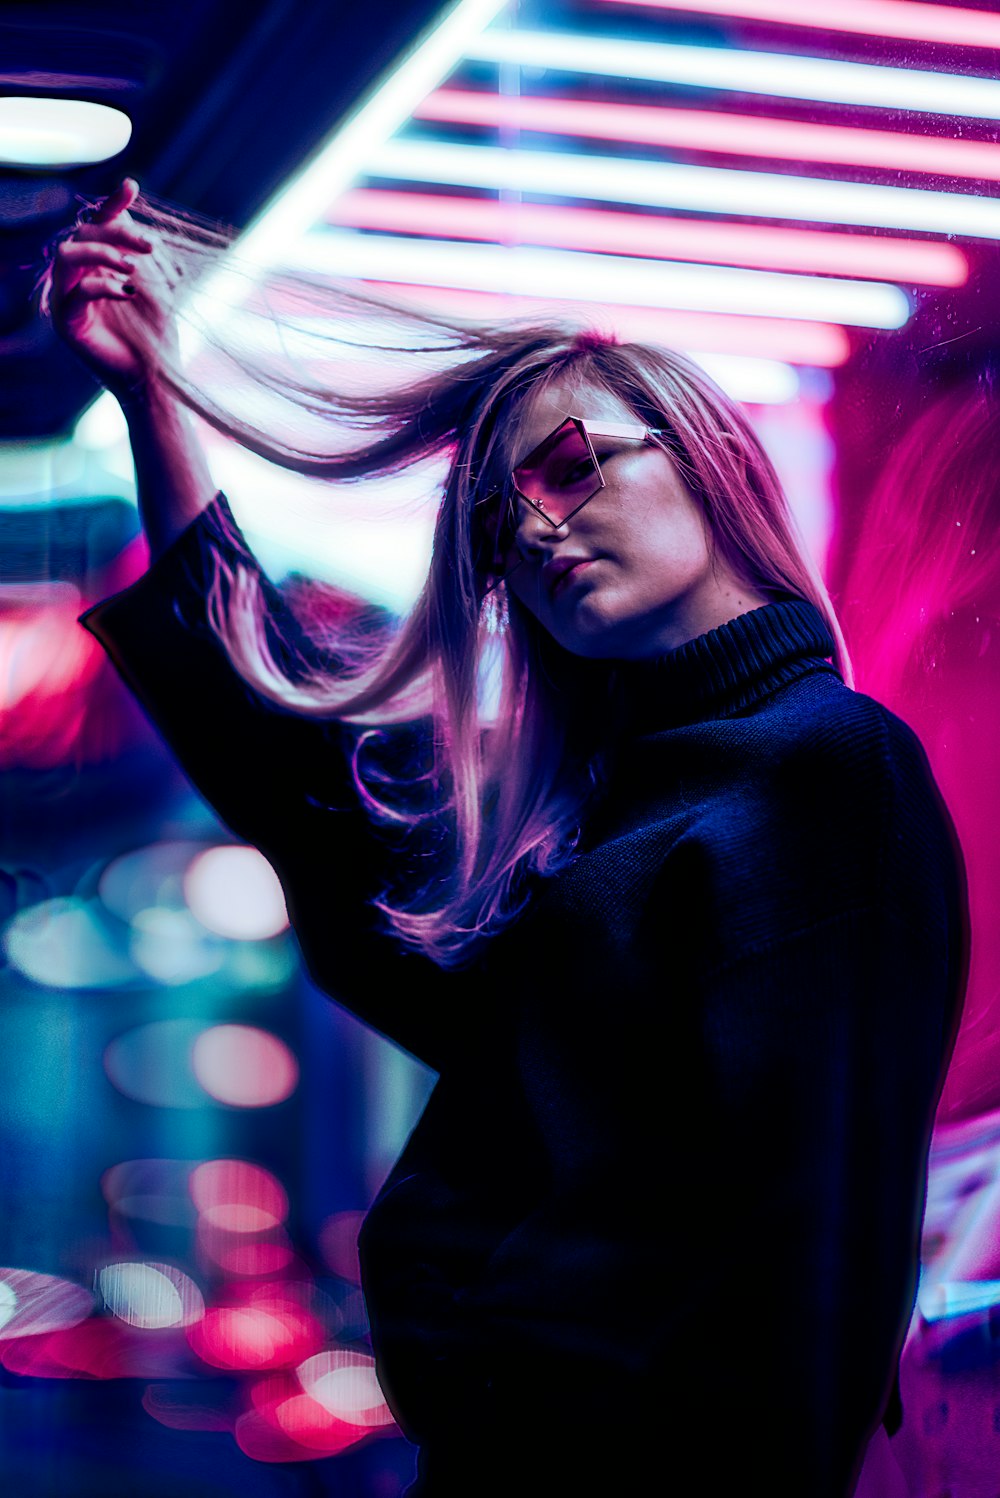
[644,580]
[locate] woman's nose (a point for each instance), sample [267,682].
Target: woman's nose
[534,532]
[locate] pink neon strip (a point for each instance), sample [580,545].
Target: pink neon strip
[730,134]
[822,345]
[912,261]
[909,19]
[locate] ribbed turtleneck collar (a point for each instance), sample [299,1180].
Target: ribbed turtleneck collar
[727,669]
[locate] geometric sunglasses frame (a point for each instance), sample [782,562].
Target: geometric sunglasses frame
[586,427]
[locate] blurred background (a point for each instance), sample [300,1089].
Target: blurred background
[802,198]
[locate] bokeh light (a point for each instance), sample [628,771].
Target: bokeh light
[312,1426]
[100,1347]
[182,1063]
[238,1196]
[8,1303]
[150,1190]
[235,892]
[150,876]
[269,1329]
[68,943]
[244,1067]
[345,1384]
[34,1303]
[153,1064]
[286,1425]
[150,1295]
[246,1257]
[172,947]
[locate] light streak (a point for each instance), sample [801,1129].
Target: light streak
[920,262]
[713,130]
[884,18]
[702,189]
[529,271]
[781,74]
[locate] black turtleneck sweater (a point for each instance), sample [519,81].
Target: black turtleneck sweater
[657,1228]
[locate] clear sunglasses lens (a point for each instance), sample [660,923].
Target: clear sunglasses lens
[560,475]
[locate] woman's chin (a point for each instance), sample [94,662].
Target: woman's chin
[593,639]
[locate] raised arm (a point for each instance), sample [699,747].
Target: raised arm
[279,780]
[109,302]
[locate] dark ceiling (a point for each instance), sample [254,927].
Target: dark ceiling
[226,100]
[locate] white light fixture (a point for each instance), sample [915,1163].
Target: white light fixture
[665,184]
[783,75]
[60,132]
[527,271]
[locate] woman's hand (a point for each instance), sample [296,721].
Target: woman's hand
[109,297]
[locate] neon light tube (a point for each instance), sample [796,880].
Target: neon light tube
[821,345]
[898,18]
[708,130]
[664,184]
[604,278]
[776,73]
[920,262]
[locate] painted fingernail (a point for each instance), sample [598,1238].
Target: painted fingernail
[129,289]
[128,264]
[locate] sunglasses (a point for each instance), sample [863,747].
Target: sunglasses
[557,478]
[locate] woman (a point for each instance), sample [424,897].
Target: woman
[682,930]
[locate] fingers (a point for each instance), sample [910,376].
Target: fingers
[110,220]
[121,232]
[95,285]
[123,196]
[77,255]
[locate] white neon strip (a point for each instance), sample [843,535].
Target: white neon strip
[899,18]
[757,246]
[664,184]
[780,74]
[528,271]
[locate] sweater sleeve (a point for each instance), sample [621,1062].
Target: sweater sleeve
[279,780]
[743,1245]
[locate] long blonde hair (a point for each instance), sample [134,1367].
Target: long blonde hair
[511,797]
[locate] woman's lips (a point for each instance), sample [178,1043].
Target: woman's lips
[564,579]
